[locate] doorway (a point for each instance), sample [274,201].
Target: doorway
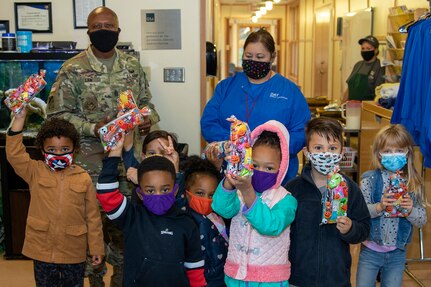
[322,51]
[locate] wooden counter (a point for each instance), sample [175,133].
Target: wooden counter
[373,118]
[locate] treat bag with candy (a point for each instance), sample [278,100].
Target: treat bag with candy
[240,161]
[397,190]
[20,97]
[126,102]
[335,197]
[218,146]
[110,133]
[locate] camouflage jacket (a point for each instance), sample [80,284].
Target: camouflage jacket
[85,93]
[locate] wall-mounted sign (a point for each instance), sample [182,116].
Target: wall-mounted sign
[161,29]
[34,16]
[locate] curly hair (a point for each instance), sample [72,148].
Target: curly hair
[156,163]
[194,165]
[268,138]
[56,127]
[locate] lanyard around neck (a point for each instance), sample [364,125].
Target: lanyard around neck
[247,111]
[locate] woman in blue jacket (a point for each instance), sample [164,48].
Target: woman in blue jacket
[256,96]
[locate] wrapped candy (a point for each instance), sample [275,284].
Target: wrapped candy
[111,133]
[240,161]
[126,101]
[397,190]
[218,146]
[20,97]
[335,197]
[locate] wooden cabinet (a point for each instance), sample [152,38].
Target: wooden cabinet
[16,200]
[373,118]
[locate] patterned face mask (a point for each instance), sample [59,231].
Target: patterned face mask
[255,69]
[393,161]
[324,162]
[58,162]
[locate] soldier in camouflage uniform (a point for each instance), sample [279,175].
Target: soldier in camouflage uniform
[85,93]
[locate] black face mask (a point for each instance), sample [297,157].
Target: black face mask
[104,40]
[367,55]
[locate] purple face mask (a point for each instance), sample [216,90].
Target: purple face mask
[262,181]
[158,204]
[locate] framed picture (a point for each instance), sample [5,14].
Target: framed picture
[34,16]
[4,26]
[81,9]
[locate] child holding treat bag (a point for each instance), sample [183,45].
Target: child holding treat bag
[396,200]
[63,218]
[324,225]
[161,243]
[261,212]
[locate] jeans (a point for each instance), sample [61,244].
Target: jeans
[391,265]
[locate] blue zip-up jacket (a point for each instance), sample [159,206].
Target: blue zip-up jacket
[320,254]
[277,99]
[412,104]
[373,196]
[215,249]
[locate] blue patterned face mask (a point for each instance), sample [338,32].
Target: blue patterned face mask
[324,162]
[393,161]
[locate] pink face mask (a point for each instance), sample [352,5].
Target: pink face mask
[58,162]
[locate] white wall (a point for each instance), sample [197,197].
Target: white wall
[177,103]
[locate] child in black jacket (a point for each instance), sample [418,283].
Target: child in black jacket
[320,253]
[201,180]
[162,246]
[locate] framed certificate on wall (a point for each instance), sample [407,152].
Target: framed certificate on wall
[33,16]
[81,9]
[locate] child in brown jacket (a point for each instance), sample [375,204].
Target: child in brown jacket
[63,217]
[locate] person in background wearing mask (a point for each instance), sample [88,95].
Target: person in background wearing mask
[256,96]
[85,93]
[367,74]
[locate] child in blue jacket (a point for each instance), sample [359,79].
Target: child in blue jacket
[201,179]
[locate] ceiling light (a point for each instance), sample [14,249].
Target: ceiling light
[277,1]
[254,19]
[268,5]
[262,10]
[258,14]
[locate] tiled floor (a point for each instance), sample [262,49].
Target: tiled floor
[19,273]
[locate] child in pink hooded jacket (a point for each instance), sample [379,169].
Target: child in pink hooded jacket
[261,212]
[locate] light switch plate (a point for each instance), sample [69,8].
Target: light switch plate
[175,75]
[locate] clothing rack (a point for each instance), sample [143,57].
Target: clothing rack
[421,247]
